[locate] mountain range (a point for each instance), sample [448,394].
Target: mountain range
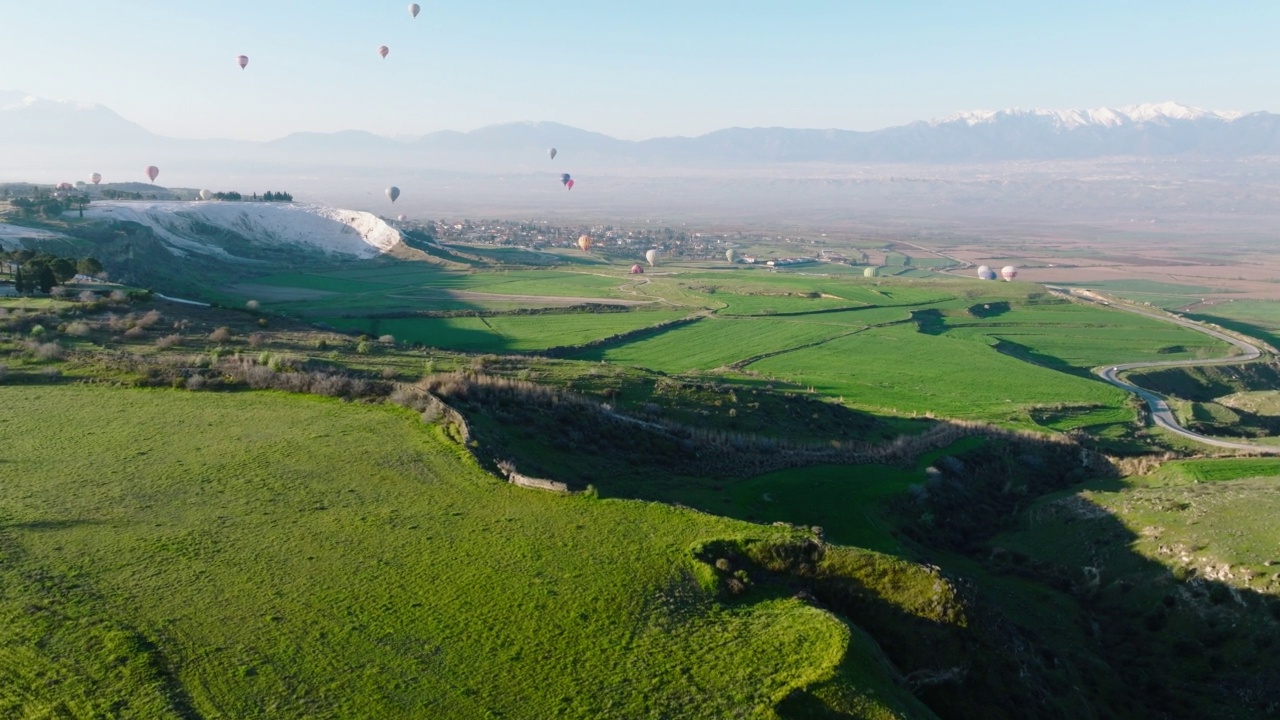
[1151,130]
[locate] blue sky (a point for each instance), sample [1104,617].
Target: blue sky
[632,69]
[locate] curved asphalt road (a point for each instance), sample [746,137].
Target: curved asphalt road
[1160,411]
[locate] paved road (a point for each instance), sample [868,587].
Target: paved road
[1161,413]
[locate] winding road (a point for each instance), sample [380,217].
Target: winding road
[1161,413]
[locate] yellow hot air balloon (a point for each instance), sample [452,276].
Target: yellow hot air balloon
[584,242]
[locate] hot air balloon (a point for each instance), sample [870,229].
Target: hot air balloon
[873,271]
[569,184]
[584,242]
[393,192]
[1008,272]
[206,194]
[414,9]
[564,179]
[986,273]
[152,172]
[242,61]
[652,257]
[553,152]
[95,178]
[383,50]
[637,270]
[731,255]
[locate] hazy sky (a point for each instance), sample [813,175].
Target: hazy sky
[629,68]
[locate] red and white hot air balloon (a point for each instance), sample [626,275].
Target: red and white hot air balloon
[152,172]
[1008,272]
[242,61]
[95,178]
[383,50]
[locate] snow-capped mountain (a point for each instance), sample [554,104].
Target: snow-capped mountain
[1160,113]
[71,140]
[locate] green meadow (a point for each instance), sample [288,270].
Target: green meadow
[174,554]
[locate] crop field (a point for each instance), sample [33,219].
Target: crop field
[1260,318]
[514,333]
[903,371]
[173,554]
[712,343]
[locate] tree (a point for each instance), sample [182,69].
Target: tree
[63,269]
[89,266]
[20,282]
[45,279]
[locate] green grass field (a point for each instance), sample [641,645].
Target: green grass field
[1259,318]
[509,333]
[174,554]
[903,371]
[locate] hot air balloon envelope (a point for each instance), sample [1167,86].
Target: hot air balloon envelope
[383,50]
[652,257]
[414,9]
[402,218]
[242,61]
[637,270]
[731,255]
[1009,272]
[95,178]
[873,271]
[569,184]
[584,242]
[206,194]
[553,152]
[152,172]
[564,179]
[393,192]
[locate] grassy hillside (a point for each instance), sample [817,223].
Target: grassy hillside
[258,555]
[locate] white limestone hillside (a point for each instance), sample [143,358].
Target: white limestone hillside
[12,235]
[202,227]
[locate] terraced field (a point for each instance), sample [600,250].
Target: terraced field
[173,554]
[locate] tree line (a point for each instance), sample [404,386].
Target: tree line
[268,196]
[35,272]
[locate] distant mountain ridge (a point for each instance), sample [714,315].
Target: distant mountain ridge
[1151,130]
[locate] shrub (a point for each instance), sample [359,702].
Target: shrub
[79,328]
[37,331]
[253,305]
[88,296]
[134,333]
[257,339]
[389,373]
[150,319]
[220,335]
[196,382]
[363,347]
[60,292]
[387,339]
[169,341]
[118,296]
[47,351]
[262,322]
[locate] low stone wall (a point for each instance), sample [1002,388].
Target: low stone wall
[516,478]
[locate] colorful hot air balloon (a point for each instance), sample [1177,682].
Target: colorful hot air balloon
[652,257]
[553,152]
[414,9]
[569,184]
[564,179]
[986,273]
[242,61]
[731,255]
[95,178]
[393,192]
[584,242]
[383,50]
[637,270]
[206,194]
[1008,272]
[152,172]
